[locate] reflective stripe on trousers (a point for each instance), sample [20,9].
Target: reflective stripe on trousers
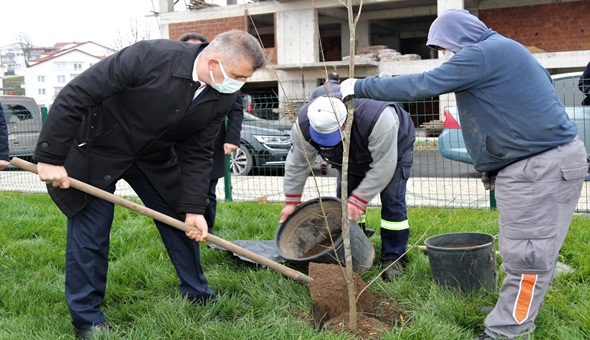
[390,225]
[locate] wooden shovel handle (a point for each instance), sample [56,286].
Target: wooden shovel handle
[107,196]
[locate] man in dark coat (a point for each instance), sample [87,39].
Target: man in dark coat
[4,160]
[227,141]
[128,117]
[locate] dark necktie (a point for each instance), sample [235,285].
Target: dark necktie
[198,85]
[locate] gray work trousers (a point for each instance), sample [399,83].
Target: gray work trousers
[536,198]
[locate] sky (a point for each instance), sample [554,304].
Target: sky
[51,21]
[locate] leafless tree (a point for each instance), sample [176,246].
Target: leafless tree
[352,289]
[352,292]
[137,30]
[25,42]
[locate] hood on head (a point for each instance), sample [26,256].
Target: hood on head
[455,29]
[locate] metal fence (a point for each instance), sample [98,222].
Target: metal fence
[434,182]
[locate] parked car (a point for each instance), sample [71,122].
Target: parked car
[264,144]
[450,141]
[263,105]
[23,120]
[452,146]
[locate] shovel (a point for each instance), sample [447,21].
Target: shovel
[107,196]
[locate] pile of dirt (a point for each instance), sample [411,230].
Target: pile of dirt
[329,293]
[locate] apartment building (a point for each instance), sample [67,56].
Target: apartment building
[47,75]
[14,57]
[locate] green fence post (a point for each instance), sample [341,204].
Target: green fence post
[492,199]
[43,114]
[227,179]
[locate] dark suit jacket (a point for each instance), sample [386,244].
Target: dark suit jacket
[135,107]
[229,133]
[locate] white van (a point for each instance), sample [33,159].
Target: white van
[23,120]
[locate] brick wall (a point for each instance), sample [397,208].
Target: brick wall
[208,28]
[551,27]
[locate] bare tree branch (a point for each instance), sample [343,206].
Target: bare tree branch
[137,30]
[25,42]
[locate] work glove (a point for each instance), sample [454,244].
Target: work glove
[489,179]
[347,89]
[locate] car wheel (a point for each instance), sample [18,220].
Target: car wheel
[241,161]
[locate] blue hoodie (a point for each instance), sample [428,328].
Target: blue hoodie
[507,105]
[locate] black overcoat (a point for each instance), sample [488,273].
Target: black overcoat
[135,107]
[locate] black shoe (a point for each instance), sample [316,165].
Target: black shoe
[203,300]
[369,232]
[94,330]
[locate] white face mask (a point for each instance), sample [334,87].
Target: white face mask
[228,85]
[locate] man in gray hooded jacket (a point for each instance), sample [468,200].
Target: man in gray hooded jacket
[516,131]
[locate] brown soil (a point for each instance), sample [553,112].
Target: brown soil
[329,293]
[327,244]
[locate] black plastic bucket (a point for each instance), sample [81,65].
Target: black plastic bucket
[463,260]
[305,236]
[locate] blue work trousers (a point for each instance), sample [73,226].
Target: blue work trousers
[393,209]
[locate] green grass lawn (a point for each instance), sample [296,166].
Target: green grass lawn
[142,300]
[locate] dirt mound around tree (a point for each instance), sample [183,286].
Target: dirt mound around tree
[329,293]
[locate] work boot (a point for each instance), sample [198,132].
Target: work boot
[94,331]
[485,309]
[392,269]
[486,336]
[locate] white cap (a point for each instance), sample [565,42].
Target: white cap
[326,117]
